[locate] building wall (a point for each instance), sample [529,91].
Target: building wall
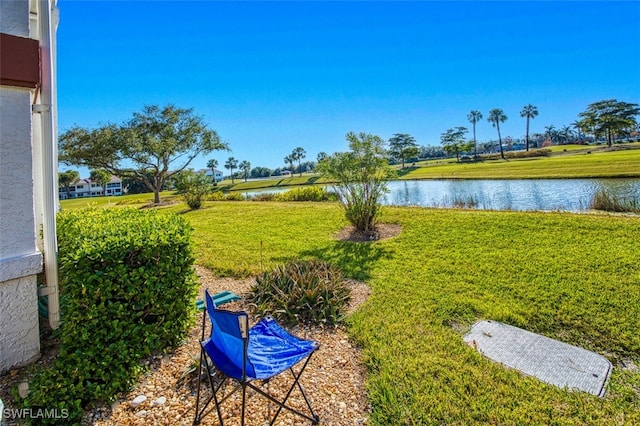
[20,259]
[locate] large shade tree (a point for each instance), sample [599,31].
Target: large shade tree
[154,145]
[610,118]
[101,178]
[403,146]
[528,112]
[497,116]
[453,141]
[66,179]
[473,117]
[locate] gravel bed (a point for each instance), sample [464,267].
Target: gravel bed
[333,380]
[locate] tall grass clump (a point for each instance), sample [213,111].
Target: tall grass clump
[305,193]
[309,292]
[464,201]
[602,200]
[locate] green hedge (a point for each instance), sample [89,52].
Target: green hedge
[127,287]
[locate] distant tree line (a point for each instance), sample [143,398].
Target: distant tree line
[149,151]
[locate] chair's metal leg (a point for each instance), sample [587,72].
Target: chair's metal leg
[295,382]
[197,419]
[244,400]
[214,392]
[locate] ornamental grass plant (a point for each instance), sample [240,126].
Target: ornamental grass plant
[301,292]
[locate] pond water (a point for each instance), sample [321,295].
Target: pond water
[523,194]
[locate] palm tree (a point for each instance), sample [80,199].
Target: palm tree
[497,116]
[578,124]
[474,116]
[212,164]
[528,112]
[551,133]
[231,164]
[245,166]
[298,154]
[567,133]
[289,159]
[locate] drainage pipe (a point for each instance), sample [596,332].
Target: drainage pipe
[48,115]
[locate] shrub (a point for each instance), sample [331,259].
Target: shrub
[194,187]
[235,196]
[360,177]
[221,196]
[305,193]
[217,196]
[127,288]
[602,200]
[310,292]
[265,196]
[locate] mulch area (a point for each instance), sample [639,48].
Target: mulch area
[334,380]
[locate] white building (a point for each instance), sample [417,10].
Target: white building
[87,188]
[217,174]
[28,175]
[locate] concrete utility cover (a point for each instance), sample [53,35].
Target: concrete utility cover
[549,360]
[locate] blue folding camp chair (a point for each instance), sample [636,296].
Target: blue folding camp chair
[243,355]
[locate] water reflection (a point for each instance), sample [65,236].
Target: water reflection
[545,194]
[525,194]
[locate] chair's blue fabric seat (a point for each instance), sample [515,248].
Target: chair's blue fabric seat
[270,351]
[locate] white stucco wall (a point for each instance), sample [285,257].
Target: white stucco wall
[20,334]
[20,260]
[14,17]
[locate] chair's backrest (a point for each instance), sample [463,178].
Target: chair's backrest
[227,346]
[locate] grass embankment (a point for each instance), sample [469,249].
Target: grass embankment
[571,277]
[572,164]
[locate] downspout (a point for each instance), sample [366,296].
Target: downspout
[48,114]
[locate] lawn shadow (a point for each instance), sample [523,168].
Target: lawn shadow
[405,171]
[355,259]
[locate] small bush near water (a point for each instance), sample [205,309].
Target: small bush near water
[305,193]
[604,201]
[127,288]
[310,292]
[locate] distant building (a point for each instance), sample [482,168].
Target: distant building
[87,188]
[217,175]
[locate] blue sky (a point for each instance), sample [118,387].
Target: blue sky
[271,76]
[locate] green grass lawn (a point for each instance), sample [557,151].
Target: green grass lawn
[573,164]
[568,276]
[120,200]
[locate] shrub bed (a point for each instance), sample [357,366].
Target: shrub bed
[126,291]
